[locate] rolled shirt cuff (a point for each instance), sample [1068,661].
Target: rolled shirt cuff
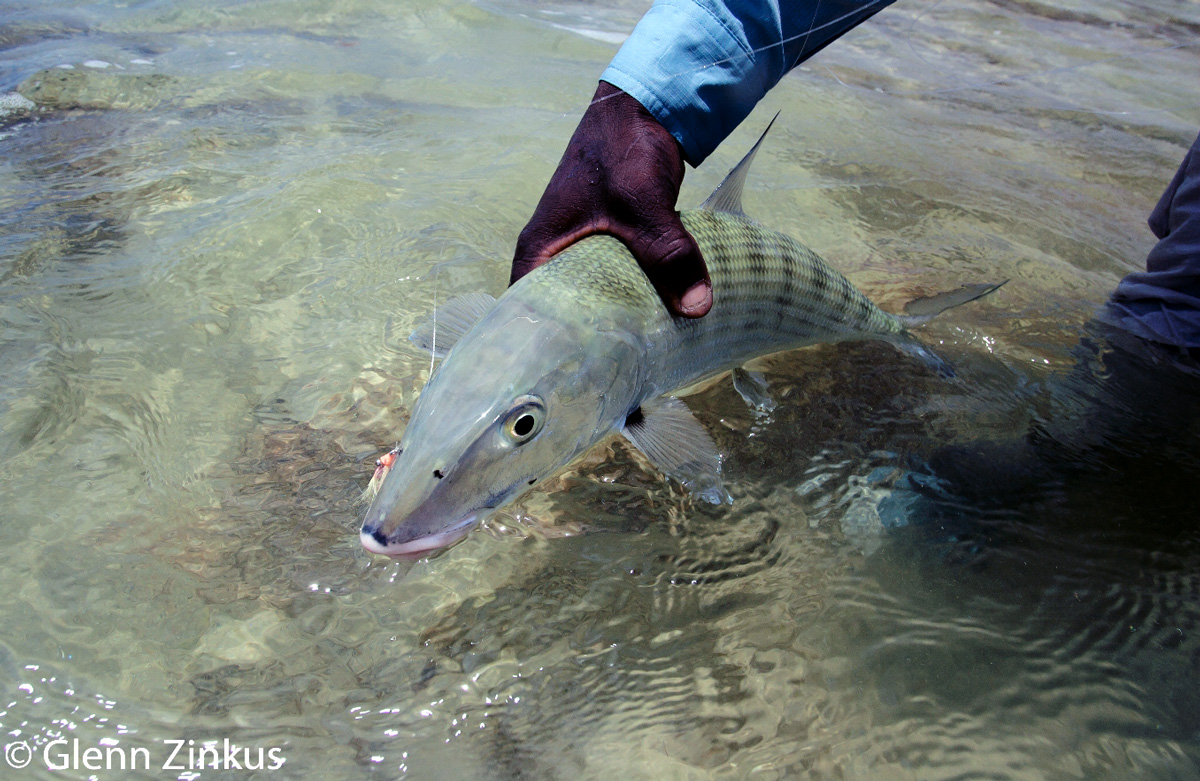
[700,66]
[692,72]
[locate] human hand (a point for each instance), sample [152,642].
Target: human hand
[620,175]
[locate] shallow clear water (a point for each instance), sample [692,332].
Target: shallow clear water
[218,226]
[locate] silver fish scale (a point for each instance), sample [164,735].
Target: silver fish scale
[770,293]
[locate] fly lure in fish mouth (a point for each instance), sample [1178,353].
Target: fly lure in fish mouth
[532,380]
[383,465]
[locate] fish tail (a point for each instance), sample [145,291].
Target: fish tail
[921,310]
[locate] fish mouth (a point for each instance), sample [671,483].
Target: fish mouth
[415,549]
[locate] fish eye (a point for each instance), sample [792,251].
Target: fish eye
[524,420]
[523,425]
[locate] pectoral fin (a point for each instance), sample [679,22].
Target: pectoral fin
[449,321]
[675,442]
[921,310]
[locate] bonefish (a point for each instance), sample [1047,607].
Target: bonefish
[582,348]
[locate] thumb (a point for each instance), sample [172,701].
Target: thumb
[532,249]
[539,242]
[673,263]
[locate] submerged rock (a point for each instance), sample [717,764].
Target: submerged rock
[16,31]
[95,88]
[15,103]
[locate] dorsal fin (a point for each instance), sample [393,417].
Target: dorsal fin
[450,321]
[728,195]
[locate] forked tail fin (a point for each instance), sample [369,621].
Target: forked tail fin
[921,310]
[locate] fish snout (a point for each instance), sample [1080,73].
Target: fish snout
[374,540]
[409,542]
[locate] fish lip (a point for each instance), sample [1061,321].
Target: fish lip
[421,546]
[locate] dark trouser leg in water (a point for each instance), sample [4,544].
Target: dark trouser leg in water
[1129,410]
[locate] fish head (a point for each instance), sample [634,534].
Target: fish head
[517,398]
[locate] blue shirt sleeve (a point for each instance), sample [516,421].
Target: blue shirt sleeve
[700,66]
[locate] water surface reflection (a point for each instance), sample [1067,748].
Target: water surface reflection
[219,224]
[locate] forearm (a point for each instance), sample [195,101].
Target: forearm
[700,66]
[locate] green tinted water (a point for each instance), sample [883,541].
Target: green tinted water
[217,229]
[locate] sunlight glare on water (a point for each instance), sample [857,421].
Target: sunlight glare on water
[218,225]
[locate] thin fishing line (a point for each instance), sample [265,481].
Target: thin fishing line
[433,341]
[912,47]
[947,90]
[1060,107]
[912,36]
[808,35]
[1043,72]
[781,43]
[1066,106]
[1139,112]
[940,91]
